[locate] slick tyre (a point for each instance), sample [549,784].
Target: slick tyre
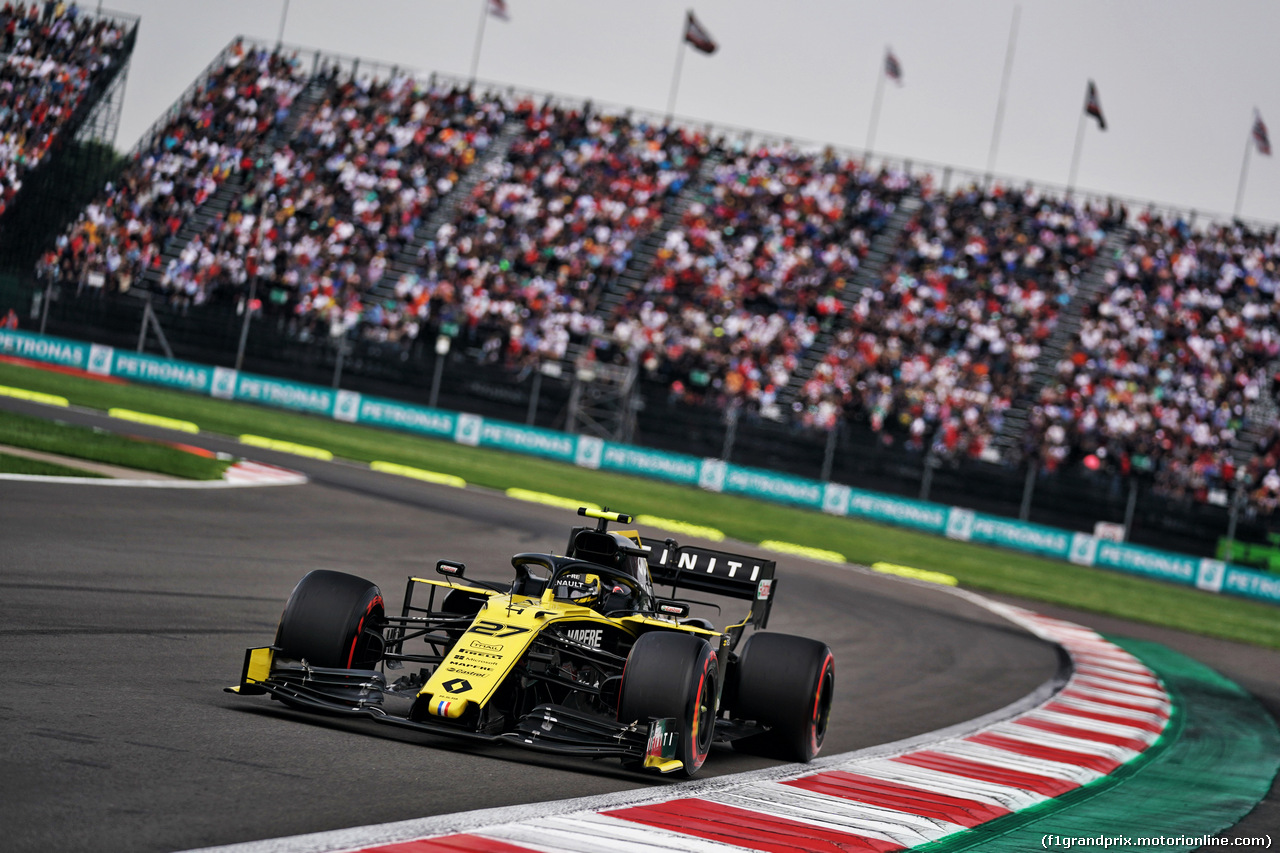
[673,675]
[332,619]
[785,683]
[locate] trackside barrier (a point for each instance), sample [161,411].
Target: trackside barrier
[589,452]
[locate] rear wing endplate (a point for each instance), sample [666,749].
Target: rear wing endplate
[717,572]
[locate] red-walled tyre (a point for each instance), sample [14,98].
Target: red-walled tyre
[673,675]
[786,683]
[333,619]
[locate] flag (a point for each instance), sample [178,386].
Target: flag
[498,9]
[1093,107]
[892,68]
[1260,138]
[696,35]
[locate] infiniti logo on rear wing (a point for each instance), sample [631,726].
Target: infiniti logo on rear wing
[720,572]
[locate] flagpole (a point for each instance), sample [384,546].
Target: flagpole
[875,117]
[1075,157]
[475,54]
[675,78]
[284,16]
[1004,90]
[1244,171]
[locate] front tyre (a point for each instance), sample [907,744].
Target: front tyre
[673,675]
[786,683]
[333,619]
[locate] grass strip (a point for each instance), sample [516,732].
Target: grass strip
[978,567]
[12,464]
[82,443]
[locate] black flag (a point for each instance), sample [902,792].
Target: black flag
[1093,107]
[696,35]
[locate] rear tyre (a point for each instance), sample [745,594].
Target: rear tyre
[785,683]
[673,675]
[333,619]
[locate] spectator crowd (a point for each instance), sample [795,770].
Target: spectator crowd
[208,139]
[1168,362]
[945,342]
[331,180]
[754,272]
[53,55]
[522,265]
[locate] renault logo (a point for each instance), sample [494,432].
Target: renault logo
[457,685]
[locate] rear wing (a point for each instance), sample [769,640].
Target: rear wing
[717,572]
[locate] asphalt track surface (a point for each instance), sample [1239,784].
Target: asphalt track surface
[125,611]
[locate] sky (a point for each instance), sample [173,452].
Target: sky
[1178,80]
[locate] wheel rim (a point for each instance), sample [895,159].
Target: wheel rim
[822,706]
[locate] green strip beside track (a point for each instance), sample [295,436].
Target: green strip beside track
[1213,764]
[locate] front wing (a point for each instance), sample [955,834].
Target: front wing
[547,728]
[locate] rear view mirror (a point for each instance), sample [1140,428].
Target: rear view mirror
[452,568]
[668,607]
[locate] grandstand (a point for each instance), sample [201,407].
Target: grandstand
[62,82]
[898,326]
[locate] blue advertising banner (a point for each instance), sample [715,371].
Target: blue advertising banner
[140,367]
[44,348]
[673,467]
[531,440]
[767,485]
[287,395]
[902,511]
[376,411]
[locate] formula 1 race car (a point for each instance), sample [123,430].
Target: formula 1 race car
[576,656]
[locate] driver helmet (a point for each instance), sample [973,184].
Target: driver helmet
[583,589]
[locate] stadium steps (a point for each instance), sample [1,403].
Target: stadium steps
[1092,287]
[640,265]
[228,194]
[409,260]
[879,255]
[645,254]
[1260,418]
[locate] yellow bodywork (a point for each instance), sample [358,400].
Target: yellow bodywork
[498,637]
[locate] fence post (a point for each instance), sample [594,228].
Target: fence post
[44,306]
[730,432]
[829,455]
[244,327]
[1130,507]
[443,343]
[342,354]
[1028,490]
[534,393]
[1233,518]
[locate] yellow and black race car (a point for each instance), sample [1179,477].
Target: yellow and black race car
[577,655]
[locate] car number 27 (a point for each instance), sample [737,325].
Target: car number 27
[496,629]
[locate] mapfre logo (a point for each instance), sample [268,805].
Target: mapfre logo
[585,636]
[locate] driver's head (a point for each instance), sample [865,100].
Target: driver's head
[582,588]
